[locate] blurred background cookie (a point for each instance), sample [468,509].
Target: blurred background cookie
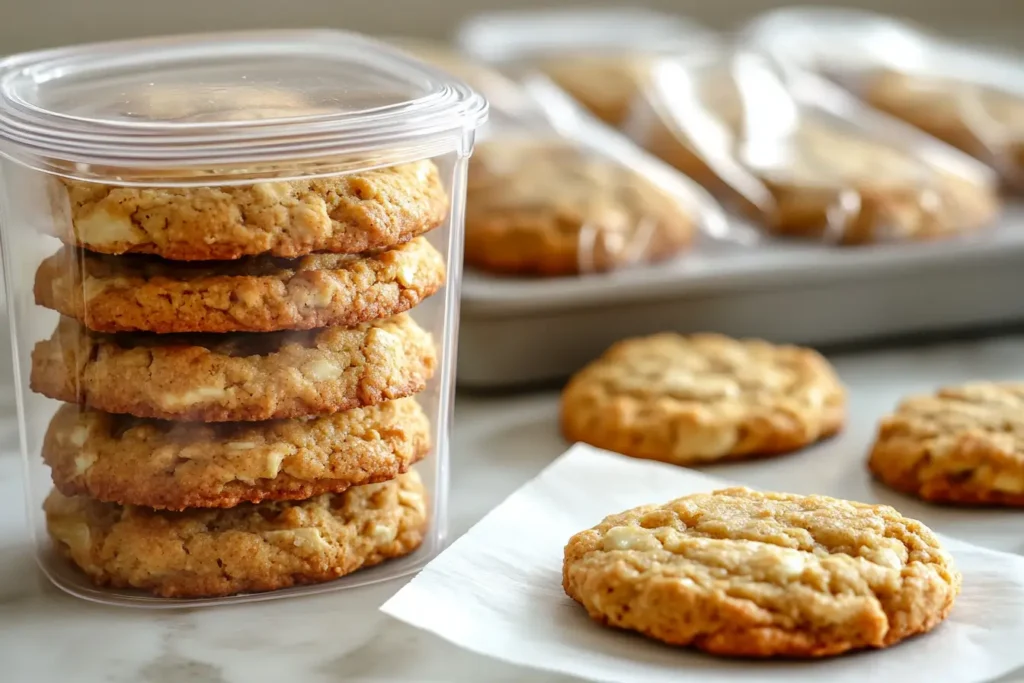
[548,207]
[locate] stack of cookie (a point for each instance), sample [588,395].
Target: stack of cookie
[238,369]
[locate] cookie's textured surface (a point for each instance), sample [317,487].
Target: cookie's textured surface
[736,572]
[256,294]
[543,207]
[699,398]
[960,445]
[233,377]
[248,548]
[178,465]
[343,214]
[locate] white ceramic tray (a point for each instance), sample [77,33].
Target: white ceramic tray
[517,332]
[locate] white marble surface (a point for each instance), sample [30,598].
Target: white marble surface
[499,444]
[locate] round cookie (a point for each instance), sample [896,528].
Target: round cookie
[256,294]
[178,465]
[349,213]
[235,377]
[248,548]
[543,207]
[741,573]
[701,398]
[960,445]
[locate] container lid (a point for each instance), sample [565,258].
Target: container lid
[231,99]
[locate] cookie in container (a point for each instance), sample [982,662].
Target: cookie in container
[234,263]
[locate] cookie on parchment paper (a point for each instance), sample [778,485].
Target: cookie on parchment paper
[178,465]
[701,398]
[235,377]
[248,548]
[255,294]
[350,213]
[961,444]
[741,573]
[546,207]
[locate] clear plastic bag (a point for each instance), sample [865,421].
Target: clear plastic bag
[970,97]
[551,191]
[599,56]
[233,275]
[803,157]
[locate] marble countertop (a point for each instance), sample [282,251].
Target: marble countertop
[499,443]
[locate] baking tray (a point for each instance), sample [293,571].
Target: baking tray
[517,332]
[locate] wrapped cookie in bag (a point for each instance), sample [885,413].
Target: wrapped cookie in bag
[968,96]
[551,191]
[599,56]
[802,156]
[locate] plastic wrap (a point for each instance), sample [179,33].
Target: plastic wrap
[233,272]
[599,56]
[968,96]
[551,191]
[802,156]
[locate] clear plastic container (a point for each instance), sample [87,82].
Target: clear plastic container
[249,238]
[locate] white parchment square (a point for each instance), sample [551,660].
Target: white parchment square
[497,591]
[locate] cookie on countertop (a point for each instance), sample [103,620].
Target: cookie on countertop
[704,397]
[248,548]
[235,377]
[349,213]
[959,445]
[255,294]
[545,207]
[741,573]
[177,465]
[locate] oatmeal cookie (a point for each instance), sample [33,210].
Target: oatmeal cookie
[178,465]
[255,294]
[248,548]
[349,213]
[960,445]
[700,398]
[741,573]
[547,208]
[235,377]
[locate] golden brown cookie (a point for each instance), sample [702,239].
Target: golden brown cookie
[741,573]
[701,398]
[248,548]
[255,294]
[178,465]
[235,377]
[960,445]
[545,207]
[833,182]
[349,214]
